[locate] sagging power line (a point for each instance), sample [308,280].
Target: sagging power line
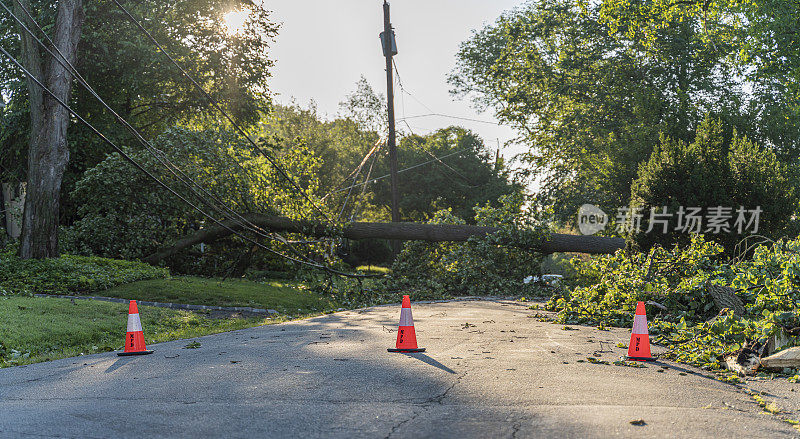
[404,170]
[170,166]
[219,108]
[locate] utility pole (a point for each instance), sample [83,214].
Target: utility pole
[389,51]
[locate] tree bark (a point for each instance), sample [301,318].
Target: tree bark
[48,154]
[399,231]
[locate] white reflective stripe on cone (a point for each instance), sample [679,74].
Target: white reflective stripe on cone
[405,317]
[134,324]
[640,324]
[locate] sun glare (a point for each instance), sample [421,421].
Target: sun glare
[235,21]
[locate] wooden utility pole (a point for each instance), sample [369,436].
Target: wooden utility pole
[389,50]
[395,231]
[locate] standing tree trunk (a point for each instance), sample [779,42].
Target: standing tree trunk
[48,154]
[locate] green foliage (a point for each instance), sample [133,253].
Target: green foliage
[469,175]
[340,144]
[88,327]
[589,102]
[458,183]
[480,267]
[137,80]
[287,297]
[761,37]
[69,274]
[713,171]
[607,288]
[124,214]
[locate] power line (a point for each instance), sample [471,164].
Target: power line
[156,179]
[420,147]
[405,91]
[414,141]
[405,170]
[219,108]
[450,117]
[366,182]
[372,151]
[171,167]
[432,113]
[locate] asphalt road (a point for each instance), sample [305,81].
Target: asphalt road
[491,370]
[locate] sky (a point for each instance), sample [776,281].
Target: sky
[325,46]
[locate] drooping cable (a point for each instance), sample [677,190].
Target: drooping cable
[156,179]
[174,170]
[219,108]
[418,165]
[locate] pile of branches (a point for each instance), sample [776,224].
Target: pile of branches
[701,305]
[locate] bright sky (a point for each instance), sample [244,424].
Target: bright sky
[324,46]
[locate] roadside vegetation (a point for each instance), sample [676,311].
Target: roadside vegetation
[34,329]
[683,313]
[70,274]
[617,104]
[42,329]
[286,297]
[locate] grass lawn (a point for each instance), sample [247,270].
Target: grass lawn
[287,297]
[34,329]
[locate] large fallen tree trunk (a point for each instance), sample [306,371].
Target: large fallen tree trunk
[399,231]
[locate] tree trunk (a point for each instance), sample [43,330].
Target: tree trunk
[48,154]
[399,231]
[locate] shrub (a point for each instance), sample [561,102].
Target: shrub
[713,171]
[70,274]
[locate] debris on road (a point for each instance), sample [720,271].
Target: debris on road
[786,358]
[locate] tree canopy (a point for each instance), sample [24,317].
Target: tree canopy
[590,100]
[737,178]
[137,80]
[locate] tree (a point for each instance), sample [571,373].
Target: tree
[765,40]
[460,173]
[366,108]
[125,214]
[713,171]
[590,103]
[340,143]
[47,148]
[135,78]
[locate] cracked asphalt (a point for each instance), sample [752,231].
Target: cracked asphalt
[492,369]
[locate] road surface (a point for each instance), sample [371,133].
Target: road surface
[492,369]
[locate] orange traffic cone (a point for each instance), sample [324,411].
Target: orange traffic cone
[406,337]
[134,339]
[639,347]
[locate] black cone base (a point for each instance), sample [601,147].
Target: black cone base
[640,358]
[407,351]
[128,354]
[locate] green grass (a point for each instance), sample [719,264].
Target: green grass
[36,329]
[287,297]
[41,329]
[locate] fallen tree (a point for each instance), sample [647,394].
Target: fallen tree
[400,231]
